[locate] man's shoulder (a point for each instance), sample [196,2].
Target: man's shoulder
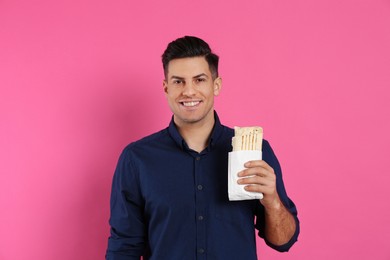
[227,131]
[150,140]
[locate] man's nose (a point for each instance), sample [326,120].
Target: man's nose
[189,89]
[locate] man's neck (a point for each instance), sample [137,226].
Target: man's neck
[197,135]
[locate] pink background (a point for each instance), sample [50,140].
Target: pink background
[81,79]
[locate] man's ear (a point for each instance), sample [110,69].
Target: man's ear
[165,86]
[217,86]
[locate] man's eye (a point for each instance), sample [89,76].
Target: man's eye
[177,82]
[200,80]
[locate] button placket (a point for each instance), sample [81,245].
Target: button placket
[200,207]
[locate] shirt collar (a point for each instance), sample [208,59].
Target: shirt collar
[215,134]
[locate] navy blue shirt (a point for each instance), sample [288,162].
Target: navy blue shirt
[170,202]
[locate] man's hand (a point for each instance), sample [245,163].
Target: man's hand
[260,177]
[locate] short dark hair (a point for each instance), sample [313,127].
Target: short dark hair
[190,46]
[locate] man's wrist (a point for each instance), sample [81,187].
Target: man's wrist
[274,207]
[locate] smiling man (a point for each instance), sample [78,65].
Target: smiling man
[169,195]
[190,88]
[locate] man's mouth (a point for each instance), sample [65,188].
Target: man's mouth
[190,103]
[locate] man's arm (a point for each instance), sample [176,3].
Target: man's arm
[280,225]
[127,239]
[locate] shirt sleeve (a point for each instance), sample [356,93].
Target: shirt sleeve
[127,233]
[270,158]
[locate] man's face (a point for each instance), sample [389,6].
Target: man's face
[190,90]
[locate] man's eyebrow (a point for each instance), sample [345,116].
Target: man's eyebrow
[176,77]
[194,77]
[200,75]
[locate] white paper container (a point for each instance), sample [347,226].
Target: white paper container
[237,160]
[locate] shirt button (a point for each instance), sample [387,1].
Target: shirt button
[200,250]
[200,187]
[198,158]
[200,217]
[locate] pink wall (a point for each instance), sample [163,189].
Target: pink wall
[81,79]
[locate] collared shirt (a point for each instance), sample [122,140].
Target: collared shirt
[170,202]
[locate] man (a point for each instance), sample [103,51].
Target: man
[169,196]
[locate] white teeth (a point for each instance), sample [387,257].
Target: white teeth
[190,104]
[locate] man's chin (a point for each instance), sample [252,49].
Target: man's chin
[191,119]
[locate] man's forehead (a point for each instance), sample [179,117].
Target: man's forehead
[188,67]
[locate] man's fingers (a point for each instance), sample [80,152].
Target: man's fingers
[257,163]
[257,188]
[253,171]
[255,180]
[260,171]
[258,177]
